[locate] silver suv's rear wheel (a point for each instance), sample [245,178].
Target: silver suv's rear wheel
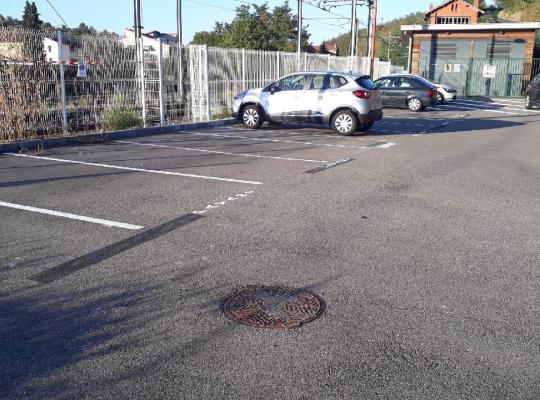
[415,104]
[345,123]
[251,117]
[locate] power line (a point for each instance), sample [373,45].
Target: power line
[326,27]
[57,13]
[211,5]
[324,9]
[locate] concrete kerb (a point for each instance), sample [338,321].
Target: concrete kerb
[100,137]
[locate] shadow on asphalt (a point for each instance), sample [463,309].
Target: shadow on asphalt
[85,342]
[432,126]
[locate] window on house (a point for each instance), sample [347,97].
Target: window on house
[50,49]
[499,50]
[453,20]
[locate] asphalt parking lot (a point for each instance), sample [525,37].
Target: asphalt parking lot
[422,236]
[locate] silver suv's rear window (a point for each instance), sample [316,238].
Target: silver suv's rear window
[365,82]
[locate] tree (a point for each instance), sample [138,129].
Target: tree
[30,17]
[9,21]
[84,29]
[257,27]
[322,48]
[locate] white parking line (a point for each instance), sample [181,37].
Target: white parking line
[341,146]
[487,104]
[290,133]
[402,124]
[98,221]
[515,101]
[470,108]
[151,171]
[223,152]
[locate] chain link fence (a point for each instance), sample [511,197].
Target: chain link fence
[54,83]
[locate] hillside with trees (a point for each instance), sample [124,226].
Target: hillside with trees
[519,10]
[389,39]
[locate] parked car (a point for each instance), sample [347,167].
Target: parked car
[532,94]
[444,92]
[347,102]
[406,90]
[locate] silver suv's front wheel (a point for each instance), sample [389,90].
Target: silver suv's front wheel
[345,123]
[251,117]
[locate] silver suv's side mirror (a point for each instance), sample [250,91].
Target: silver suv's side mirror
[274,89]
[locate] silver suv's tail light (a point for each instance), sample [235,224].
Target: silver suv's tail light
[362,94]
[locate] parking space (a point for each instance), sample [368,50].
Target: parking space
[406,232]
[143,182]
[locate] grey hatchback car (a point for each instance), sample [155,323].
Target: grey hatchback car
[347,102]
[406,90]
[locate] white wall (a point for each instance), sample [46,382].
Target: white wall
[50,48]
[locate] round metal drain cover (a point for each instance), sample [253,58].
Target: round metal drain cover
[273,307]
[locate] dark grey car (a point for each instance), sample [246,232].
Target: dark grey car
[532,95]
[406,91]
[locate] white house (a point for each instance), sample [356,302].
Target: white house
[51,50]
[151,41]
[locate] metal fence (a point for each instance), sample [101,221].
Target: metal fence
[501,77]
[510,76]
[53,82]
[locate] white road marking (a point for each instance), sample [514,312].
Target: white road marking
[104,222]
[470,108]
[151,171]
[400,123]
[375,130]
[415,118]
[223,152]
[384,145]
[327,136]
[218,204]
[516,101]
[278,141]
[506,106]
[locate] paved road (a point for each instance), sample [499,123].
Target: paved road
[422,236]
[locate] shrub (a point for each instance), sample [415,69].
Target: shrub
[118,119]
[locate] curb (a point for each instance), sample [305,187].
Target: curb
[89,138]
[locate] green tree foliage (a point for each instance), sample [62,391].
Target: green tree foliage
[9,21]
[30,17]
[323,49]
[257,27]
[84,29]
[527,10]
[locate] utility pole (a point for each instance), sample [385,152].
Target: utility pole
[373,39]
[354,32]
[299,40]
[139,48]
[389,42]
[180,60]
[368,39]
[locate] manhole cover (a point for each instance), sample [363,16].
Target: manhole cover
[273,307]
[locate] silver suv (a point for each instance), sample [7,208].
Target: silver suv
[347,102]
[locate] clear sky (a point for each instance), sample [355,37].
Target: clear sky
[115,15]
